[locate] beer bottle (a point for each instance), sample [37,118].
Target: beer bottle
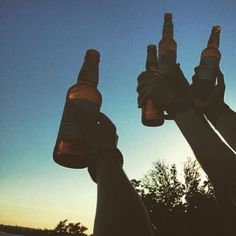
[167,47]
[209,63]
[211,55]
[70,149]
[152,116]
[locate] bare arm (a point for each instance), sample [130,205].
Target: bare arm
[217,160]
[215,157]
[215,109]
[226,125]
[120,210]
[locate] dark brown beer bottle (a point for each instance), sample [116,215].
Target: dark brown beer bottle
[152,116]
[211,55]
[209,63]
[70,149]
[167,47]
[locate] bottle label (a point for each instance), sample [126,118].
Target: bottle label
[69,127]
[166,62]
[208,68]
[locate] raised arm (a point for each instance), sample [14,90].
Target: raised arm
[120,210]
[215,109]
[217,160]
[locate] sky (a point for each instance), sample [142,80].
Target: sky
[42,46]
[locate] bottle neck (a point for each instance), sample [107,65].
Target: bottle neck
[214,40]
[89,73]
[168,31]
[151,61]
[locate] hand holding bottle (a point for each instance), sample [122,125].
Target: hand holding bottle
[170,92]
[213,104]
[69,150]
[99,133]
[151,115]
[100,139]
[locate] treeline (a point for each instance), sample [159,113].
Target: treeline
[63,228]
[180,208]
[25,230]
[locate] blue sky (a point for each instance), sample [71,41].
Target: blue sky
[42,45]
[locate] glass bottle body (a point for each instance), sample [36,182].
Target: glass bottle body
[167,47]
[210,60]
[152,116]
[70,149]
[167,55]
[209,63]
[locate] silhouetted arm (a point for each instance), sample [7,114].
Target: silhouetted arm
[226,125]
[171,93]
[215,109]
[120,211]
[217,160]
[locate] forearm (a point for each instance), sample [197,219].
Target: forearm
[213,155]
[120,211]
[226,125]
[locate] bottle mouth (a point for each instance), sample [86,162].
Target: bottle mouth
[168,25]
[151,47]
[216,28]
[92,54]
[168,15]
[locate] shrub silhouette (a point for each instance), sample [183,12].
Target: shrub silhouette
[65,228]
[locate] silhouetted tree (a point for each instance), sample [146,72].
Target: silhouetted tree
[162,181]
[61,227]
[65,228]
[179,208]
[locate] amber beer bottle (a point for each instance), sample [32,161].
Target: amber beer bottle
[167,47]
[70,149]
[211,55]
[209,63]
[152,116]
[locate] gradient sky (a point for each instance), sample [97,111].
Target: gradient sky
[42,45]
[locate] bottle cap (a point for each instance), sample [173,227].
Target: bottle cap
[216,28]
[92,54]
[168,15]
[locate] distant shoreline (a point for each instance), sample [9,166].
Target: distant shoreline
[9,230]
[9,234]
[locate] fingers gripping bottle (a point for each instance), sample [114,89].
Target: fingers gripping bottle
[167,47]
[152,116]
[70,149]
[209,63]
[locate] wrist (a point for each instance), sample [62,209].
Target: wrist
[108,151]
[214,114]
[189,116]
[111,151]
[178,105]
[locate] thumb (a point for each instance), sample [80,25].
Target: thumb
[105,121]
[200,105]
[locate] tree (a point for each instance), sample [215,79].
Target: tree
[61,227]
[162,181]
[179,208]
[66,228]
